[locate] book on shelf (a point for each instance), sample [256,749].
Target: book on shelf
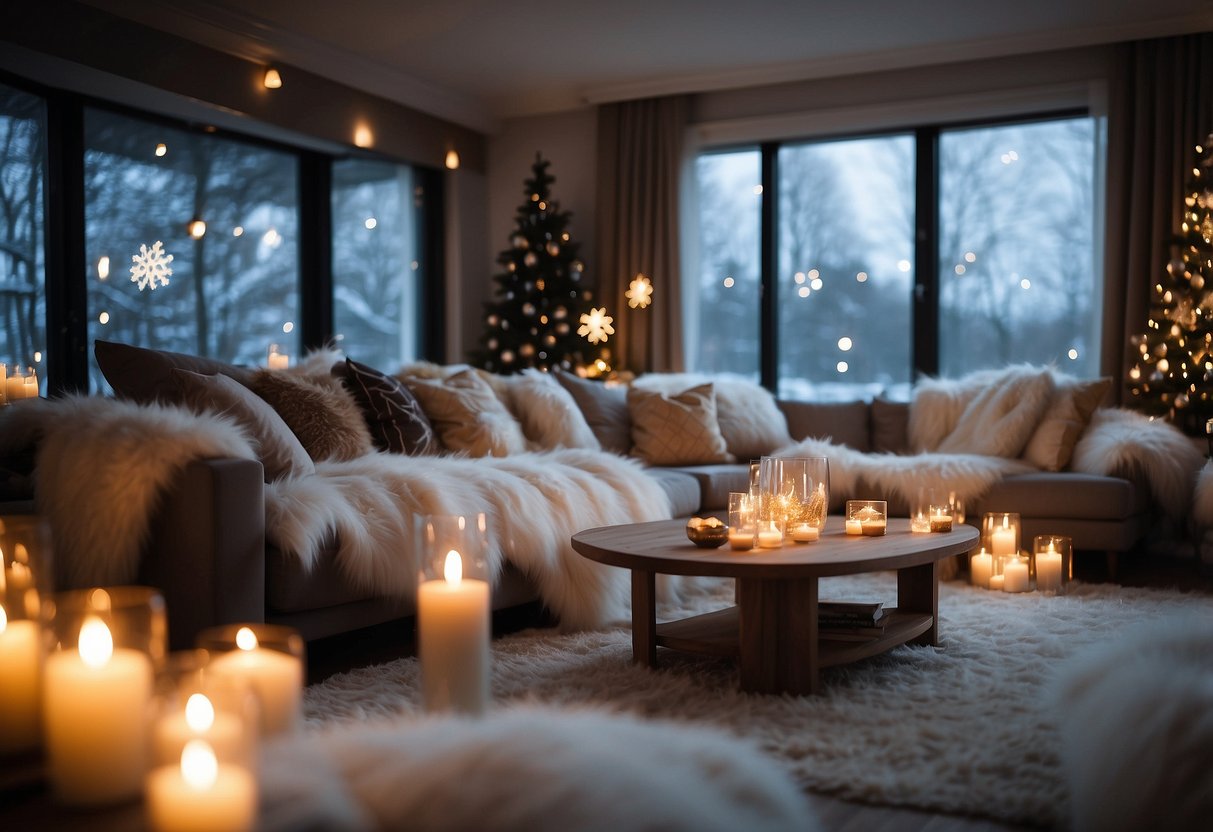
[843,614]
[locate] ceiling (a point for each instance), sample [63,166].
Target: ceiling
[479,61]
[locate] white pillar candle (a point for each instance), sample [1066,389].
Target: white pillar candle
[20,722]
[1048,570]
[14,386]
[95,702]
[980,567]
[996,582]
[201,794]
[275,677]
[199,720]
[453,630]
[804,533]
[279,361]
[3,383]
[854,527]
[1015,574]
[1002,541]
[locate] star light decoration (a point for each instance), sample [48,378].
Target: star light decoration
[149,267]
[596,326]
[640,292]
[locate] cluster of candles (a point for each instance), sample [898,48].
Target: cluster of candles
[788,498]
[935,512]
[1001,564]
[18,384]
[867,517]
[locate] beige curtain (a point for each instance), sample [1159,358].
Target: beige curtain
[1160,107]
[640,159]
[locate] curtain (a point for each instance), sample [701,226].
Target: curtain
[1160,107]
[640,162]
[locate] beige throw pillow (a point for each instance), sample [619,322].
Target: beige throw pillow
[324,416]
[467,414]
[1074,402]
[549,416]
[279,450]
[1000,419]
[679,429]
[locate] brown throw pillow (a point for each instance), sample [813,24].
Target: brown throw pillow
[279,450]
[395,418]
[605,410]
[326,419]
[145,376]
[467,415]
[679,429]
[1074,402]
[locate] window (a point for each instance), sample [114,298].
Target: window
[22,238]
[875,276]
[378,267]
[225,211]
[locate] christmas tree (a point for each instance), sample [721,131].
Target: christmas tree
[1173,375]
[541,316]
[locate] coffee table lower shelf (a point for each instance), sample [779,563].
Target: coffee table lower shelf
[719,634]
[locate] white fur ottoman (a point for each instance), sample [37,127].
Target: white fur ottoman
[527,769]
[1137,730]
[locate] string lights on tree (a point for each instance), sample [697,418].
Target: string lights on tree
[1173,372]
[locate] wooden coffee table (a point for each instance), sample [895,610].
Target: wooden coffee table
[772,630]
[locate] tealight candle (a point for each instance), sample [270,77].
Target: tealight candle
[20,669]
[920,523]
[854,527]
[201,793]
[453,629]
[276,677]
[770,538]
[941,521]
[741,540]
[804,533]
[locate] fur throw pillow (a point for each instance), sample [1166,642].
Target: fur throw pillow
[937,406]
[549,416]
[318,410]
[467,414]
[1001,417]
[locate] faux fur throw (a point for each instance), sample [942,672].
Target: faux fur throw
[102,464]
[527,769]
[989,412]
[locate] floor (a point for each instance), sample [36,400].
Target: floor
[380,644]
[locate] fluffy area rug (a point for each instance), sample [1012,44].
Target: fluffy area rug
[967,727]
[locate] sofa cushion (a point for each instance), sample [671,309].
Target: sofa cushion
[679,429]
[890,426]
[325,418]
[1074,401]
[605,409]
[846,423]
[682,489]
[714,482]
[278,449]
[1000,419]
[395,418]
[1063,495]
[145,375]
[467,414]
[549,415]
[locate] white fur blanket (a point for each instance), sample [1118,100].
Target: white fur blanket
[527,769]
[102,464]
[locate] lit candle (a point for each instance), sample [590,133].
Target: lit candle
[3,383]
[804,533]
[770,538]
[1048,569]
[277,360]
[19,688]
[453,630]
[854,527]
[741,540]
[199,720]
[1015,575]
[201,793]
[95,701]
[996,582]
[30,388]
[14,386]
[275,677]
[980,567]
[1002,540]
[940,522]
[920,523]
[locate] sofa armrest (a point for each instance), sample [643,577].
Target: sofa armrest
[206,548]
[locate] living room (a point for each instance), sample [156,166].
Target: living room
[378,179]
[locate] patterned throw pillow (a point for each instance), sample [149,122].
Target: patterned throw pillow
[679,429]
[467,414]
[325,418]
[397,423]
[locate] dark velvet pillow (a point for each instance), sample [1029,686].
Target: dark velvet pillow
[397,423]
[144,375]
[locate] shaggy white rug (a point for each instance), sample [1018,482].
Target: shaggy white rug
[964,727]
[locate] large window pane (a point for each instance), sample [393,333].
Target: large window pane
[22,241]
[1017,272]
[846,220]
[377,265]
[723,305]
[235,288]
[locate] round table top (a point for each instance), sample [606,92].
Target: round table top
[662,546]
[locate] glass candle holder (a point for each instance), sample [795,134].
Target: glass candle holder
[105,644]
[1052,555]
[996,576]
[1000,533]
[276,359]
[957,505]
[804,492]
[920,511]
[980,566]
[24,574]
[204,749]
[743,530]
[453,618]
[269,660]
[867,517]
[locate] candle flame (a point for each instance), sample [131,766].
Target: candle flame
[1006,522]
[199,768]
[1051,549]
[3,619]
[199,713]
[96,645]
[246,639]
[453,569]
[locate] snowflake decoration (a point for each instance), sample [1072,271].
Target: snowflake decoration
[596,325]
[640,292]
[150,266]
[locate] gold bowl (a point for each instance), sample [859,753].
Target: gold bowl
[707,532]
